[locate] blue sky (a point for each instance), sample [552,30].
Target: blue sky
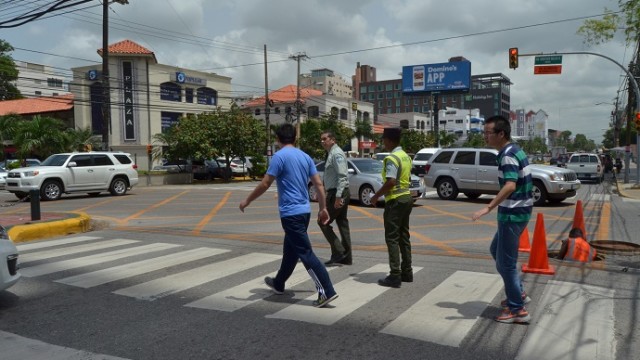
[225,36]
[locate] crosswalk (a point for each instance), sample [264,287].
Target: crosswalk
[446,314]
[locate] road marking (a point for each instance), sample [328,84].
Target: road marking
[48,268]
[51,243]
[573,321]
[211,214]
[17,347]
[120,272]
[447,313]
[168,285]
[353,292]
[48,254]
[247,293]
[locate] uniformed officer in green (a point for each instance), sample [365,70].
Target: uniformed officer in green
[336,181]
[398,203]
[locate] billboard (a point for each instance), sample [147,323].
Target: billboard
[450,76]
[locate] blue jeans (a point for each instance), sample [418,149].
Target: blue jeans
[504,249]
[297,246]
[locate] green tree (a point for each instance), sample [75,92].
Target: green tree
[412,141]
[8,73]
[475,141]
[447,139]
[8,125]
[40,137]
[311,130]
[598,31]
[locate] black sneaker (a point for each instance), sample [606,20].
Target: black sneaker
[346,261]
[407,277]
[335,260]
[390,281]
[322,303]
[269,281]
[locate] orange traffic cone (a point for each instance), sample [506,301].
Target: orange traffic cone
[524,241]
[539,260]
[578,219]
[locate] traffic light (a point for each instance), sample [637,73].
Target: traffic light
[149,149]
[513,58]
[638,120]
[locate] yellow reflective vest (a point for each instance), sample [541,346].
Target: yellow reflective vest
[403,178]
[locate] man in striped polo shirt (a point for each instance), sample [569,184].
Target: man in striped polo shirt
[515,203]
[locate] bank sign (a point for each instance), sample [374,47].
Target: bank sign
[437,77]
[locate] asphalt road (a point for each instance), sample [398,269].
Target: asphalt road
[72,298]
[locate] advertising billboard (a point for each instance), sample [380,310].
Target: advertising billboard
[450,76]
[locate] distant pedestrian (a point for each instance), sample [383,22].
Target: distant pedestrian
[291,168]
[398,203]
[336,183]
[515,203]
[576,248]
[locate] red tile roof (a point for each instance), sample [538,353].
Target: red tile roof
[128,47]
[285,95]
[36,105]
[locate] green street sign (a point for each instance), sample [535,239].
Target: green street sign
[549,60]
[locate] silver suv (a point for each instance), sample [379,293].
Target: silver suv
[90,172]
[475,171]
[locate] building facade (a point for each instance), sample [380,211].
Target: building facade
[146,97]
[40,80]
[328,82]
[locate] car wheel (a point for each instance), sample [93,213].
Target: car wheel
[118,187]
[313,195]
[472,196]
[365,194]
[539,193]
[51,190]
[447,189]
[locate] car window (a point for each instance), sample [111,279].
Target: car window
[488,159]
[443,158]
[55,160]
[33,162]
[593,158]
[423,156]
[368,166]
[82,160]
[465,158]
[123,159]
[102,160]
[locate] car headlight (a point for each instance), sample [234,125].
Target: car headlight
[557,177]
[31,173]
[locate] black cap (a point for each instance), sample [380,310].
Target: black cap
[392,134]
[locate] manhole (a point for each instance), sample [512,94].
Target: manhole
[553,254]
[616,247]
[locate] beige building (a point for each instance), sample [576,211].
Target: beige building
[328,82]
[146,97]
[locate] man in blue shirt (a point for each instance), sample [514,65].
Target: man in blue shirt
[291,168]
[515,203]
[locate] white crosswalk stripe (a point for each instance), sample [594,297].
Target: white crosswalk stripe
[52,243]
[445,314]
[171,284]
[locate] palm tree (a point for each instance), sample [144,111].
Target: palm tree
[40,137]
[8,125]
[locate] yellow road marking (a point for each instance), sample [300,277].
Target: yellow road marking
[605,220]
[154,206]
[211,214]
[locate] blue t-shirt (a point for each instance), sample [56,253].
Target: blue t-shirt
[292,169]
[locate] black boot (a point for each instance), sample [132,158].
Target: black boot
[407,277]
[390,281]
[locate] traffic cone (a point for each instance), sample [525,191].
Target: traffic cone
[578,219]
[524,241]
[539,260]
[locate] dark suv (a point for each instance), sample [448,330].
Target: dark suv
[209,170]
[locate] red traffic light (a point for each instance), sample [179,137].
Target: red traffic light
[513,58]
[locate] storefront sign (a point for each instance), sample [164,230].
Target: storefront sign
[129,119]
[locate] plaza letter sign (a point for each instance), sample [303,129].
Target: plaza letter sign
[437,77]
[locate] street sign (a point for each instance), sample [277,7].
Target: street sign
[549,60]
[547,69]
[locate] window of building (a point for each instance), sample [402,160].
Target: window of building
[372,88]
[388,102]
[170,92]
[188,95]
[406,102]
[389,95]
[207,96]
[53,82]
[459,121]
[277,110]
[38,92]
[397,86]
[313,111]
[343,114]
[380,95]
[415,101]
[389,87]
[389,111]
[380,87]
[256,111]
[372,96]
[363,89]
[416,109]
[398,102]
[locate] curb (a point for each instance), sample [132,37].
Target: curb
[78,224]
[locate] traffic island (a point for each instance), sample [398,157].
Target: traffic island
[56,224]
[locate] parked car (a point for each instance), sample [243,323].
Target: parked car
[9,274]
[175,166]
[28,162]
[380,156]
[3,178]
[238,166]
[475,171]
[421,159]
[365,178]
[587,166]
[209,170]
[87,172]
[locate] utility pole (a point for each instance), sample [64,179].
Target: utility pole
[298,57]
[267,108]
[106,91]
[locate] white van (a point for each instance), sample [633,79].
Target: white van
[420,160]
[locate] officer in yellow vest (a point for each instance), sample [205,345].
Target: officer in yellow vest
[398,203]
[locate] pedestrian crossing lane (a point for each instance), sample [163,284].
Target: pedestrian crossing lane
[73,250]
[171,284]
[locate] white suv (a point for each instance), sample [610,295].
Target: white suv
[90,172]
